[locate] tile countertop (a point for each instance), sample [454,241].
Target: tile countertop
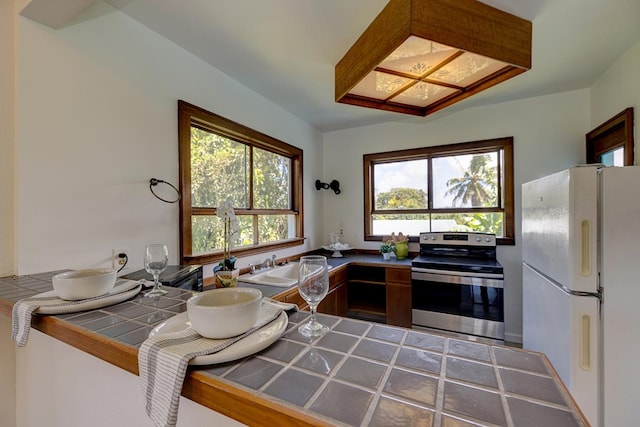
[347,258]
[359,374]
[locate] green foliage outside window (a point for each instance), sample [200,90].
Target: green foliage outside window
[402,198]
[260,177]
[220,170]
[483,222]
[271,179]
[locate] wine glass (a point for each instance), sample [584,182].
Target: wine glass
[156,259]
[313,285]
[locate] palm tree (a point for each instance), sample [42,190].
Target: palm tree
[477,187]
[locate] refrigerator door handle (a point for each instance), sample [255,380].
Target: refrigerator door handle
[585,342]
[585,259]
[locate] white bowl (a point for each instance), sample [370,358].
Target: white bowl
[224,312]
[83,284]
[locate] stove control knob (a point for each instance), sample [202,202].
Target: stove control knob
[433,237]
[487,239]
[478,239]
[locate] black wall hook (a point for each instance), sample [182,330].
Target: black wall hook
[334,185]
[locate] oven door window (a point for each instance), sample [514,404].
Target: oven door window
[480,302]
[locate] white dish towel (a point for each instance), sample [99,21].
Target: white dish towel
[24,308]
[163,360]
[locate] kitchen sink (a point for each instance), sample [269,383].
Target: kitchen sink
[282,276]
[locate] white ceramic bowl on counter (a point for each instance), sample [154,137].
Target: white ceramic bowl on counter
[225,312]
[83,284]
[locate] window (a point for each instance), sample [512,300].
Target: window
[611,143]
[261,176]
[458,187]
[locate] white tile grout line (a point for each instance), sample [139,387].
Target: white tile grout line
[308,347]
[379,392]
[443,378]
[383,381]
[331,375]
[439,404]
[392,365]
[503,397]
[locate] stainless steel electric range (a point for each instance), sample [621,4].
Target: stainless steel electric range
[457,284]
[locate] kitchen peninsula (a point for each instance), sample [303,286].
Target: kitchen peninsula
[360,373]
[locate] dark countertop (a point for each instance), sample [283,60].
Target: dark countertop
[359,374]
[347,258]
[366,259]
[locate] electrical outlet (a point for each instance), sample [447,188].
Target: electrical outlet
[116,261]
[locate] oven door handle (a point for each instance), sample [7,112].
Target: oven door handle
[423,274]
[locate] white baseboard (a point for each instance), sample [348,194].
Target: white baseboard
[513,338]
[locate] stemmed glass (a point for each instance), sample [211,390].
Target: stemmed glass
[313,285]
[156,259]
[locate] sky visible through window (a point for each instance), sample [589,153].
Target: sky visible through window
[614,157]
[413,174]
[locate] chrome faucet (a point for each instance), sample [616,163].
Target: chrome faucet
[267,263]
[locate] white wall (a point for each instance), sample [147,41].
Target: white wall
[7,120]
[617,89]
[548,136]
[97,118]
[53,390]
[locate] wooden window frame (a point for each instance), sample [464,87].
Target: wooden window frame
[506,198]
[614,133]
[190,115]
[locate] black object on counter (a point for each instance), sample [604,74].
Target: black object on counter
[175,276]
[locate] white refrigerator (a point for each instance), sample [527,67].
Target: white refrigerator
[581,285]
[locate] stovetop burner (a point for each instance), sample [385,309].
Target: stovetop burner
[462,264]
[458,251]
